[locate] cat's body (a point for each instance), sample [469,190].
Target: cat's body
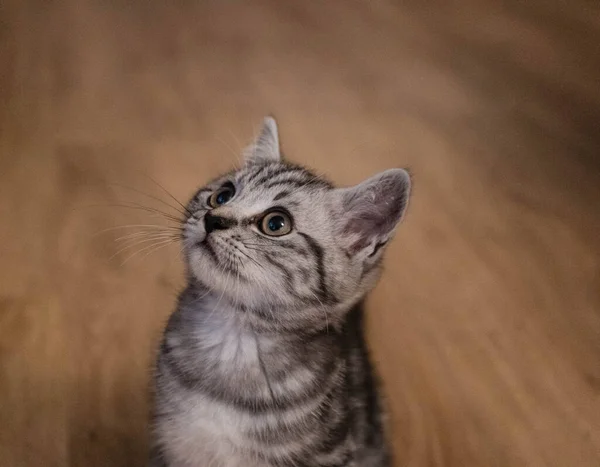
[264,362]
[324,410]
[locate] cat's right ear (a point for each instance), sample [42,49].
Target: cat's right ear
[266,146]
[372,209]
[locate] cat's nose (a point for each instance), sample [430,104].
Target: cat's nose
[212,223]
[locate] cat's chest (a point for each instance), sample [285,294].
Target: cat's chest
[206,433]
[204,423]
[224,343]
[222,346]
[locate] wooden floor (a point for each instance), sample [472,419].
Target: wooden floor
[486,325]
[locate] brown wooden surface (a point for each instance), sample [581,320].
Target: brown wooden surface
[486,324]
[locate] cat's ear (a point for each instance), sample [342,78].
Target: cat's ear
[266,146]
[372,209]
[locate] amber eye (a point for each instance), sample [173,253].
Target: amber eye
[222,196]
[276,224]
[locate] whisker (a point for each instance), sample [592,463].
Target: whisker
[148,227]
[236,155]
[155,210]
[249,257]
[155,250]
[140,207]
[239,144]
[183,213]
[168,193]
[151,234]
[254,249]
[154,245]
[322,307]
[138,235]
[209,290]
[140,242]
[134,242]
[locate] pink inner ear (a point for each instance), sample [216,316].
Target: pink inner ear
[367,226]
[374,210]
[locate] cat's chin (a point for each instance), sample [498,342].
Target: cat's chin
[232,287]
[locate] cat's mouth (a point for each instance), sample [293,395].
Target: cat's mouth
[207,247]
[224,254]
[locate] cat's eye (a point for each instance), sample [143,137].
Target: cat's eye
[222,196]
[276,224]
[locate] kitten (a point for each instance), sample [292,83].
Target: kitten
[264,361]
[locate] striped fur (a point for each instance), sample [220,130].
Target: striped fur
[264,361]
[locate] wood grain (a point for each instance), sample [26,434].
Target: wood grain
[486,325]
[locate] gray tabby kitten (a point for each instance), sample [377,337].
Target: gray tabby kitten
[264,361]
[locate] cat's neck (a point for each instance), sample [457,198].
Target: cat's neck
[212,309]
[217,346]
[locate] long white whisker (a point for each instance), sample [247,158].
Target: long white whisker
[154,245]
[137,206]
[141,242]
[167,192]
[145,235]
[137,226]
[236,155]
[158,247]
[178,210]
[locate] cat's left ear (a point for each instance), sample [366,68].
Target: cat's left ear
[372,209]
[266,146]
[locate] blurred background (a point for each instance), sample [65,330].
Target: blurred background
[486,324]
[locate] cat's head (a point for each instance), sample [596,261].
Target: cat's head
[274,236]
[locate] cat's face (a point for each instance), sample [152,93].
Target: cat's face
[273,236]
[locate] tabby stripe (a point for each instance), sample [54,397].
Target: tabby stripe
[372,408]
[259,171]
[284,429]
[339,456]
[270,322]
[185,379]
[283,171]
[289,280]
[289,174]
[305,273]
[317,251]
[256,406]
[326,411]
[365,380]
[281,194]
[292,246]
[277,170]
[307,459]
[337,433]
[264,314]
[289,183]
